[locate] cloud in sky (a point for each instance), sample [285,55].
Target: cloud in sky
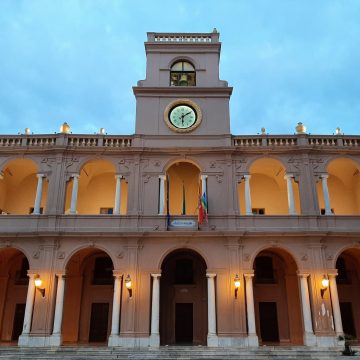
[77,60]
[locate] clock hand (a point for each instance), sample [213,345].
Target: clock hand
[187,113]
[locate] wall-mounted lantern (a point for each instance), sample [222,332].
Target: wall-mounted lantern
[38,285]
[236,284]
[325,285]
[128,285]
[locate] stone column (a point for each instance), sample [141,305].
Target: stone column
[212,339]
[23,339]
[309,337]
[248,195]
[74,194]
[335,304]
[115,321]
[38,196]
[325,188]
[162,195]
[117,195]
[290,193]
[59,307]
[250,309]
[155,311]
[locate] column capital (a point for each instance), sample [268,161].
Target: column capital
[302,274]
[60,274]
[40,175]
[247,176]
[75,176]
[210,275]
[162,177]
[156,275]
[118,176]
[324,176]
[249,274]
[332,273]
[288,176]
[31,274]
[118,273]
[203,176]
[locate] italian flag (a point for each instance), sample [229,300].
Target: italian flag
[203,208]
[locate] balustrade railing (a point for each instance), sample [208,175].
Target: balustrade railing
[117,142]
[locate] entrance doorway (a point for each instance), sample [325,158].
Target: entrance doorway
[99,322]
[183,299]
[276,297]
[88,298]
[18,321]
[269,328]
[184,323]
[348,285]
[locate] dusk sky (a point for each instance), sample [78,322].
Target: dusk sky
[77,60]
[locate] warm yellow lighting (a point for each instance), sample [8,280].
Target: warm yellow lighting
[38,282]
[237,281]
[325,282]
[128,285]
[128,282]
[325,285]
[236,284]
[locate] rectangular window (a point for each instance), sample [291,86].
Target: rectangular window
[258,211]
[105,210]
[103,271]
[264,270]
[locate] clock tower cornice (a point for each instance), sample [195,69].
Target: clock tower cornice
[183,91]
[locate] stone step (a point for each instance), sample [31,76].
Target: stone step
[165,353]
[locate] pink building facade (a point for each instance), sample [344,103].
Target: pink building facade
[100,240]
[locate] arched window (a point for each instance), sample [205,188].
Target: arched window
[182,73]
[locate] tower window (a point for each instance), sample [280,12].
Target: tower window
[182,74]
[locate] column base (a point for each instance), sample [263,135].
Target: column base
[212,340]
[35,341]
[309,339]
[253,340]
[154,340]
[55,340]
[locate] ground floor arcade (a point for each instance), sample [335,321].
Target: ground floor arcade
[217,293]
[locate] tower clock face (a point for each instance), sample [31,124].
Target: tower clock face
[182,115]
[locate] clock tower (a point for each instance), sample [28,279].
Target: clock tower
[182,96]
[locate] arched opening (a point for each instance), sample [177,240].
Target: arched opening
[348,284]
[183,188]
[344,188]
[18,185]
[182,73]
[268,189]
[183,299]
[96,190]
[88,297]
[14,285]
[276,298]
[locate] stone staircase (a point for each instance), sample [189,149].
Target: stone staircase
[171,352]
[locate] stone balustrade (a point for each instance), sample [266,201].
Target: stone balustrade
[120,141]
[182,38]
